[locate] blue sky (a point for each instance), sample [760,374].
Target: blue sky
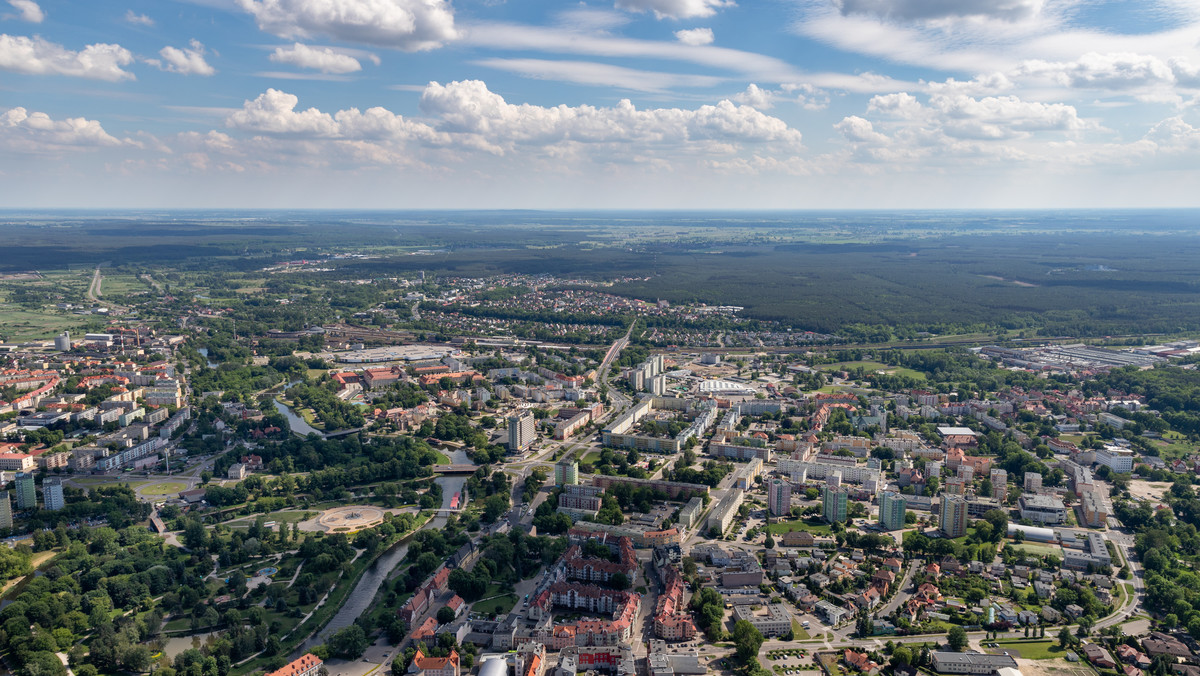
[617,103]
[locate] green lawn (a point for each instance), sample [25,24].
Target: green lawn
[798,632]
[815,527]
[499,605]
[873,366]
[1043,649]
[168,488]
[1037,549]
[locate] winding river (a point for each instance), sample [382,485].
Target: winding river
[368,585]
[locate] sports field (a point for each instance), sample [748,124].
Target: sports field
[166,488]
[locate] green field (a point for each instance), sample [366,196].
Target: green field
[18,324]
[1034,650]
[814,527]
[1037,550]
[499,605]
[871,367]
[168,488]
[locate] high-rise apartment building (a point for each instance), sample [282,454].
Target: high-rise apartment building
[521,431]
[26,491]
[953,523]
[892,507]
[834,505]
[52,494]
[566,472]
[779,497]
[5,510]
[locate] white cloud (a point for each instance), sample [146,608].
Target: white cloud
[469,107]
[520,37]
[186,61]
[676,9]
[21,130]
[1116,71]
[600,74]
[136,19]
[920,10]
[695,36]
[35,56]
[996,117]
[408,25]
[901,104]
[323,59]
[992,83]
[28,10]
[859,130]
[274,113]
[756,97]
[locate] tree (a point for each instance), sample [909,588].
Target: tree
[956,638]
[769,543]
[445,615]
[348,643]
[1064,638]
[619,581]
[746,640]
[902,656]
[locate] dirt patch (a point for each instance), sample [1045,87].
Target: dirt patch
[1149,490]
[350,519]
[1058,667]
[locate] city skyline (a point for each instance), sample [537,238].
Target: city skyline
[625,103]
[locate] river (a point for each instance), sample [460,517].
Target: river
[211,363]
[297,423]
[368,585]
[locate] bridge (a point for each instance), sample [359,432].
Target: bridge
[454,469]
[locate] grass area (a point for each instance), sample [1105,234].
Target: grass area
[798,632]
[36,562]
[1036,550]
[1042,649]
[443,459]
[815,527]
[20,324]
[499,605]
[873,366]
[168,488]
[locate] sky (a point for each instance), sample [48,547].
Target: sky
[698,104]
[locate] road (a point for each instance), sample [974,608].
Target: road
[522,468]
[93,292]
[904,591]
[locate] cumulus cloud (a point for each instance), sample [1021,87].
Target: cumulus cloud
[996,117]
[186,61]
[920,10]
[695,36]
[469,107]
[408,25]
[756,97]
[323,59]
[858,130]
[274,113]
[676,9]
[466,118]
[1115,71]
[24,131]
[136,19]
[900,104]
[35,56]
[28,10]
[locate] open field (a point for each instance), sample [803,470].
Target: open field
[168,488]
[1148,490]
[871,367]
[20,324]
[814,527]
[1033,650]
[1053,667]
[1037,549]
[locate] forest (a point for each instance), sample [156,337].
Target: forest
[865,276]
